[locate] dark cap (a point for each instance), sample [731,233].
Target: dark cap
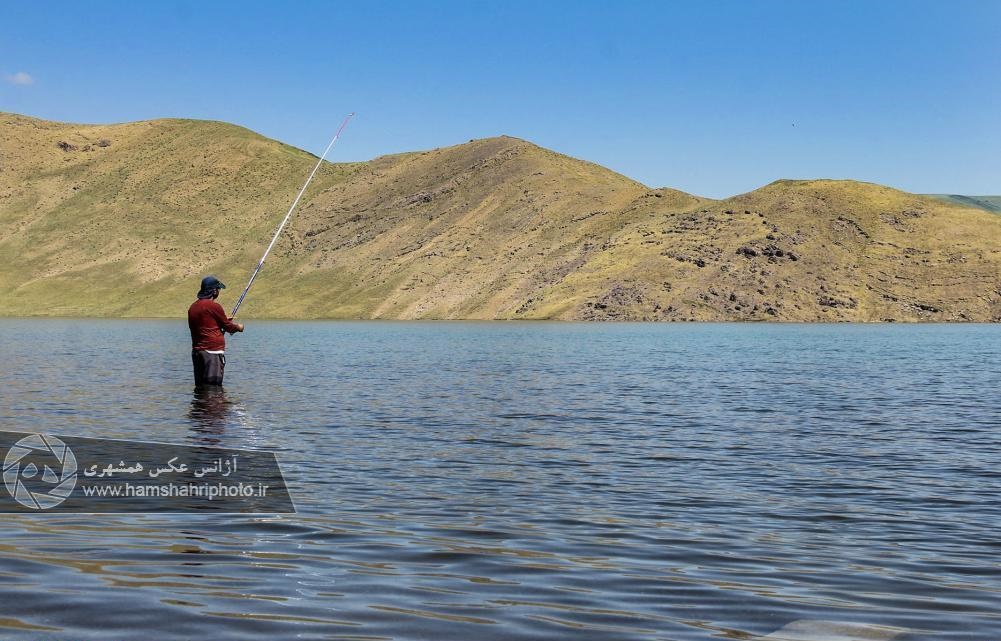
[210,284]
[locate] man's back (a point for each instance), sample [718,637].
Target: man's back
[207,321]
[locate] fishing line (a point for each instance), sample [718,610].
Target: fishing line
[291,209]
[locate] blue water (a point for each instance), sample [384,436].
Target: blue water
[527,481]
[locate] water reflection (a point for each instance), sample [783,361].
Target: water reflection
[209,414]
[220,419]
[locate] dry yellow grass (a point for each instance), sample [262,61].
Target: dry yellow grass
[496,228]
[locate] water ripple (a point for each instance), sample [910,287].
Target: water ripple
[530,481]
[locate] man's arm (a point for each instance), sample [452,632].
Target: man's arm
[225,322]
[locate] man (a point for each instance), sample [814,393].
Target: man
[208,323]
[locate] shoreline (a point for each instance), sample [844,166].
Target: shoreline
[281,319]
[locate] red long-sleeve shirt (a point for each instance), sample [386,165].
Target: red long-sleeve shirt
[207,321]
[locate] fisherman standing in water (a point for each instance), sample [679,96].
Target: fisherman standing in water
[208,323]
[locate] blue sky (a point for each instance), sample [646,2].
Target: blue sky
[714,98]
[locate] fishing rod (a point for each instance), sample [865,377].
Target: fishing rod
[291,209]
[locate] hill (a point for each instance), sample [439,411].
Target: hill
[990,203]
[122,220]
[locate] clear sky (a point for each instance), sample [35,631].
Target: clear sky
[714,98]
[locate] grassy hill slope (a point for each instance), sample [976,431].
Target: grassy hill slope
[990,203]
[123,220]
[119,220]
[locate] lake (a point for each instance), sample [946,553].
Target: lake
[480,481]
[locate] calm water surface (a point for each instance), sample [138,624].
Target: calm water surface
[487,481]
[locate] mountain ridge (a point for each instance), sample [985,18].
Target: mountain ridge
[988,203]
[494,228]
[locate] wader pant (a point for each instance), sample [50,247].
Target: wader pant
[208,367]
